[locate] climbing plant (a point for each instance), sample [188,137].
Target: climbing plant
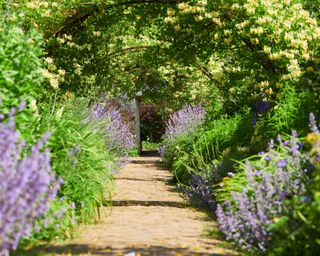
[253,61]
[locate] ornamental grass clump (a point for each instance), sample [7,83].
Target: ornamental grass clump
[27,184]
[255,196]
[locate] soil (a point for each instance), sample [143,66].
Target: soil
[148,217]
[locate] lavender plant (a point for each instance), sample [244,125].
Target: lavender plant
[119,138]
[200,189]
[27,184]
[269,179]
[297,231]
[184,122]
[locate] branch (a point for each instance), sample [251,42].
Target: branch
[80,15]
[207,73]
[129,49]
[266,63]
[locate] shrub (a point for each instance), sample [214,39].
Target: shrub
[20,61]
[181,128]
[27,184]
[297,230]
[270,179]
[118,136]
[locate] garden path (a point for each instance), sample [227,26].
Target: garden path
[148,217]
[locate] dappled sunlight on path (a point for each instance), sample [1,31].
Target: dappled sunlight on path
[148,217]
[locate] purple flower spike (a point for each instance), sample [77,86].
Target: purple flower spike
[312,123]
[256,173]
[118,135]
[261,106]
[185,121]
[27,184]
[22,105]
[282,163]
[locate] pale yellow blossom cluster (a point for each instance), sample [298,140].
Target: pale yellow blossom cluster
[281,29]
[38,4]
[53,75]
[216,66]
[171,18]
[198,9]
[265,88]
[78,69]
[44,8]
[285,31]
[196,83]
[67,39]
[96,33]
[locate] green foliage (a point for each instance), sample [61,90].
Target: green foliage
[149,145]
[20,69]
[297,231]
[225,138]
[291,111]
[20,63]
[79,156]
[58,223]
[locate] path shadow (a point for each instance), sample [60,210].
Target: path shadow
[144,157]
[150,203]
[137,179]
[144,160]
[150,153]
[78,249]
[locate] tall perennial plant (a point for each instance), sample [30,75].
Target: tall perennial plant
[119,138]
[183,122]
[27,184]
[270,179]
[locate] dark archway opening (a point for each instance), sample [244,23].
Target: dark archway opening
[152,125]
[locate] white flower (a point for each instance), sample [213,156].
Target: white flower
[54,83]
[33,105]
[48,60]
